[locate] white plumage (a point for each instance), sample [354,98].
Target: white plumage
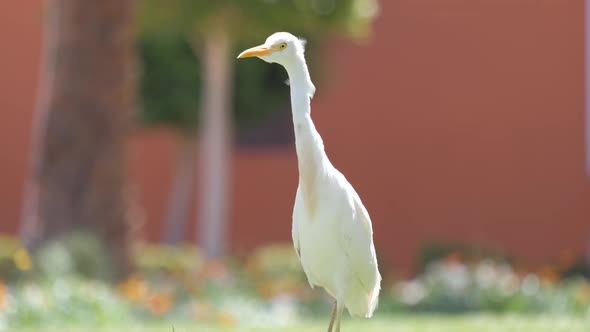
[332,231]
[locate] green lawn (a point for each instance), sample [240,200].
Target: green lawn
[475,323]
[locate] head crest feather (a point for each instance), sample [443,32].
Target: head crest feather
[303,42]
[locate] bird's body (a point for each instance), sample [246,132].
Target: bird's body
[332,231]
[335,246]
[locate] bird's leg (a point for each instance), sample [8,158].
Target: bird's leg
[332,318]
[339,311]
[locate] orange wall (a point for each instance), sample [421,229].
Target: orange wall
[464,120]
[460,120]
[20,32]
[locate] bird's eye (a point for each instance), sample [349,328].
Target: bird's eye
[283,46]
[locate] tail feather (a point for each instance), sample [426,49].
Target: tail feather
[364,304]
[374,298]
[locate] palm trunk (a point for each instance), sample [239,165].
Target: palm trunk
[587,82]
[78,176]
[182,190]
[214,177]
[29,226]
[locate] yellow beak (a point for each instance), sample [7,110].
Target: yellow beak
[255,51]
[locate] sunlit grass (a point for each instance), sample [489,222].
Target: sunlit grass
[405,323]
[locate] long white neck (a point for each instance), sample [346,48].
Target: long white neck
[311,157]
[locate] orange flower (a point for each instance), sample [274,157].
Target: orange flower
[160,304]
[3,293]
[454,257]
[566,259]
[549,275]
[134,289]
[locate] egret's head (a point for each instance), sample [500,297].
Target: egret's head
[281,47]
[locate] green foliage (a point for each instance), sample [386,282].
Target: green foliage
[9,267]
[247,20]
[77,253]
[171,81]
[489,286]
[153,259]
[70,300]
[170,32]
[435,251]
[259,88]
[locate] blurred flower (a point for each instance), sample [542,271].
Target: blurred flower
[549,275]
[284,306]
[22,260]
[134,289]
[453,274]
[166,258]
[270,288]
[201,311]
[411,292]
[273,260]
[3,295]
[454,257]
[509,283]
[486,274]
[566,259]
[582,294]
[530,285]
[36,298]
[215,270]
[226,319]
[159,304]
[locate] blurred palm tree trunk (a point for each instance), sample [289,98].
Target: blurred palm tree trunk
[77,178]
[181,193]
[215,139]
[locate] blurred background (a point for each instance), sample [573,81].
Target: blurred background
[146,173]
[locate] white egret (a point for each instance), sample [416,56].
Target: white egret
[332,231]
